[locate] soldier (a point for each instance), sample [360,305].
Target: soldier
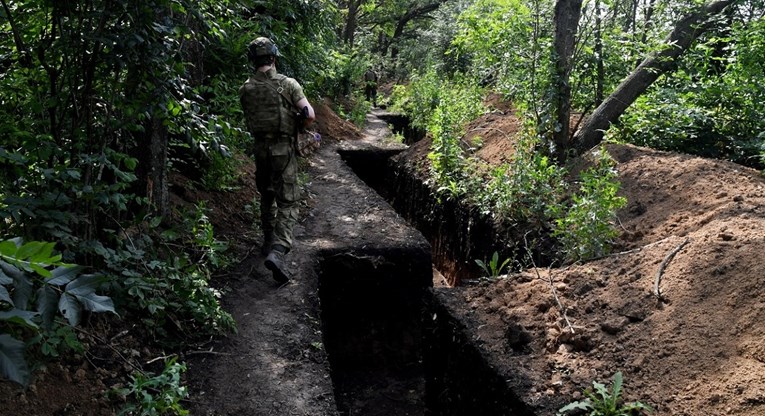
[370,86]
[275,108]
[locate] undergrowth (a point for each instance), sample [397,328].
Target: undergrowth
[530,191]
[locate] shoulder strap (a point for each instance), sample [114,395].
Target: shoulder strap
[280,90]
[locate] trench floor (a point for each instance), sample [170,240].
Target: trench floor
[282,361]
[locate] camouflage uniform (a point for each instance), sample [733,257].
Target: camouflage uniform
[370,86]
[270,119]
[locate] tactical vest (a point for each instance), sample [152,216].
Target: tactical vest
[267,111]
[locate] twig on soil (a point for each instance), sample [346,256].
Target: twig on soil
[634,250]
[159,358]
[116,351]
[663,266]
[561,308]
[119,335]
[205,352]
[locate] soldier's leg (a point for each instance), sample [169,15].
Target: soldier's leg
[286,187]
[287,194]
[263,182]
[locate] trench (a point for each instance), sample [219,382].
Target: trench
[372,329]
[393,348]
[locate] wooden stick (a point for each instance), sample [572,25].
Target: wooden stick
[552,285]
[663,266]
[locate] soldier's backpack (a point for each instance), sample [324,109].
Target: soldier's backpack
[267,109]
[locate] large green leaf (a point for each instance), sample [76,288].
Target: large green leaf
[62,275]
[20,317]
[70,308]
[8,248]
[45,254]
[12,363]
[96,303]
[30,249]
[47,305]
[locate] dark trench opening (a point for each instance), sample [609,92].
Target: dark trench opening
[400,124]
[459,233]
[416,358]
[371,314]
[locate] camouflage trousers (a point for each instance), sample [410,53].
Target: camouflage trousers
[276,179]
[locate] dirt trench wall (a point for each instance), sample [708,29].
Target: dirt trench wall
[372,306]
[460,380]
[458,234]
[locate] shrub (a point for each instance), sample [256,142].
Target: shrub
[586,230]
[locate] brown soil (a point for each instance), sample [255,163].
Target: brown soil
[700,350]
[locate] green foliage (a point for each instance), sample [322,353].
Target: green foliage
[586,230]
[60,339]
[36,288]
[442,107]
[419,98]
[357,113]
[605,402]
[171,291]
[529,189]
[507,42]
[493,268]
[155,395]
[711,106]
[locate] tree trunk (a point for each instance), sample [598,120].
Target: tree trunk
[686,31]
[413,14]
[351,22]
[152,164]
[600,74]
[567,14]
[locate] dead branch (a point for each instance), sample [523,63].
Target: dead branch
[550,280]
[634,250]
[663,266]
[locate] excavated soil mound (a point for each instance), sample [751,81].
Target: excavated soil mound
[699,350]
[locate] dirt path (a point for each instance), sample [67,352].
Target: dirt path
[278,364]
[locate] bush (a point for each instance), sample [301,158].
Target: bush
[586,230]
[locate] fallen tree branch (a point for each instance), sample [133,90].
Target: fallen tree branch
[663,266]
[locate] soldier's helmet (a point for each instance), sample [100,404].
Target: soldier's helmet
[261,46]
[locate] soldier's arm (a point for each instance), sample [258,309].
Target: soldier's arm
[311,116]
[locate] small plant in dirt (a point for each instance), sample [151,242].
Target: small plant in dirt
[602,401]
[493,268]
[160,394]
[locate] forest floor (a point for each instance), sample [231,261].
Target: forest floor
[699,350]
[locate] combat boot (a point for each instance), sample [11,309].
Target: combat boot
[275,262]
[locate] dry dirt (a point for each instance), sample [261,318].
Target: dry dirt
[700,350]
